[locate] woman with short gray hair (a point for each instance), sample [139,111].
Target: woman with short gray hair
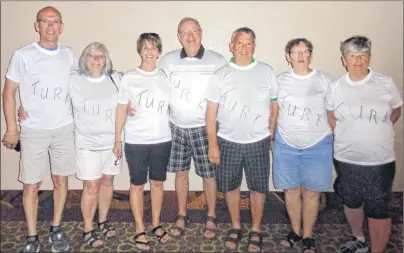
[363,106]
[302,148]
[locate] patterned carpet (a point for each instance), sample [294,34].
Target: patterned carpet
[330,232]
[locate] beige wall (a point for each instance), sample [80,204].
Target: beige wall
[117,24]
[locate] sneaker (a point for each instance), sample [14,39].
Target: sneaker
[59,241]
[354,245]
[32,244]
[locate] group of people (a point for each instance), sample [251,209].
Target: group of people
[225,115]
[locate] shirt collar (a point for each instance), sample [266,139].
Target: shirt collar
[198,55]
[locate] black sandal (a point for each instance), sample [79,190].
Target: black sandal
[309,244]
[140,242]
[159,237]
[233,231]
[212,230]
[292,238]
[180,229]
[94,237]
[257,244]
[106,229]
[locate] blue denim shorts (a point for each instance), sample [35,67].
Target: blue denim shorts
[310,168]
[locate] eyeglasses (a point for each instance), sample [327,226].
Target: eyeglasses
[50,22]
[117,160]
[297,52]
[187,33]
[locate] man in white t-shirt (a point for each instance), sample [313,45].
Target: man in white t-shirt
[242,94]
[363,106]
[40,72]
[189,70]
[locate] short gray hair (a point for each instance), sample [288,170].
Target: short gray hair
[83,70]
[186,19]
[295,42]
[246,30]
[356,44]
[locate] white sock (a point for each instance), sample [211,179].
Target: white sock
[361,238]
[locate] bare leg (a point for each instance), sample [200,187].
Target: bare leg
[136,204]
[257,200]
[379,232]
[104,200]
[30,203]
[311,202]
[233,203]
[181,188]
[157,194]
[355,220]
[89,199]
[210,189]
[59,198]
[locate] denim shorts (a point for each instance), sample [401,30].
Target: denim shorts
[310,167]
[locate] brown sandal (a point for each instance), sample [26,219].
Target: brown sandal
[179,229]
[212,230]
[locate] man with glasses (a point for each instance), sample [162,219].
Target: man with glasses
[40,72]
[189,70]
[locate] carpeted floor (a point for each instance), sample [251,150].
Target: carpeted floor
[330,232]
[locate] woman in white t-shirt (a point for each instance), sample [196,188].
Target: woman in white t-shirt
[93,90]
[147,134]
[302,148]
[363,106]
[94,95]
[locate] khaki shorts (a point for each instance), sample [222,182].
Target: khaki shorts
[41,146]
[92,164]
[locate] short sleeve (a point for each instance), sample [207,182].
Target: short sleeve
[163,64]
[329,96]
[123,94]
[213,91]
[16,68]
[274,85]
[396,100]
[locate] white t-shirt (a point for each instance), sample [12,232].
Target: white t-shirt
[94,103]
[302,119]
[149,95]
[364,133]
[189,78]
[43,77]
[244,95]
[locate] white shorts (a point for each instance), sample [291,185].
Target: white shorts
[39,147]
[92,164]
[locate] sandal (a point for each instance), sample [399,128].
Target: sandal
[291,238]
[140,242]
[233,231]
[92,239]
[255,243]
[159,237]
[179,229]
[106,229]
[211,230]
[309,244]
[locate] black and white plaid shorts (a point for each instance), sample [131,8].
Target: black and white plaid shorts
[253,157]
[187,143]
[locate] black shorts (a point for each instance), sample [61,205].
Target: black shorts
[144,159]
[365,185]
[253,157]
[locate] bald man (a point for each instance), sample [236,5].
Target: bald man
[40,72]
